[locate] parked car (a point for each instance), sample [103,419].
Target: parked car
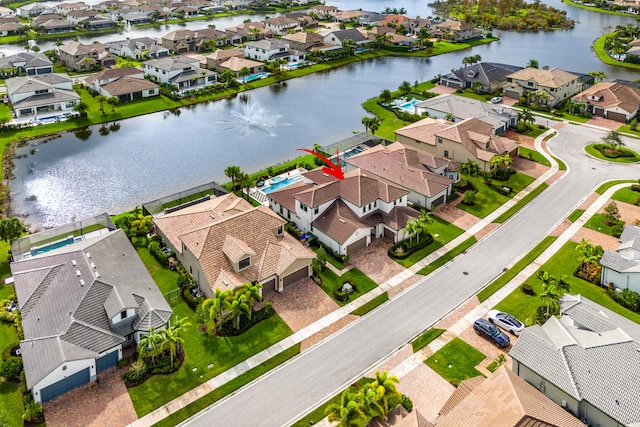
[489,330]
[506,321]
[496,100]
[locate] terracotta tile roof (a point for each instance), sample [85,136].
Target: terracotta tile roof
[317,176]
[127,85]
[236,64]
[303,37]
[519,403]
[463,390]
[285,198]
[228,236]
[424,130]
[339,222]
[611,94]
[478,137]
[224,54]
[555,77]
[404,166]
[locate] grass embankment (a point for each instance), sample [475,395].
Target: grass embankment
[573,216]
[598,48]
[456,361]
[201,349]
[599,222]
[604,187]
[517,268]
[626,195]
[424,339]
[367,307]
[11,402]
[564,262]
[534,155]
[595,9]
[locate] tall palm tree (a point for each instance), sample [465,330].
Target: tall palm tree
[214,307]
[371,402]
[365,122]
[251,294]
[385,96]
[113,101]
[598,75]
[235,307]
[148,344]
[506,160]
[385,387]
[244,72]
[423,34]
[348,413]
[374,125]
[549,295]
[171,338]
[101,100]
[232,172]
[496,161]
[411,229]
[405,87]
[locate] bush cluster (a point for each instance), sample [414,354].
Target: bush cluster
[189,298]
[339,295]
[228,328]
[403,249]
[156,250]
[606,151]
[626,298]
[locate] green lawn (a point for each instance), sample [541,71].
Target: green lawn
[200,349]
[591,150]
[228,388]
[604,187]
[363,283]
[598,48]
[365,308]
[11,405]
[573,216]
[626,129]
[471,94]
[445,232]
[424,339]
[597,223]
[595,9]
[626,195]
[448,256]
[488,199]
[564,262]
[389,122]
[456,361]
[534,155]
[561,165]
[534,132]
[521,203]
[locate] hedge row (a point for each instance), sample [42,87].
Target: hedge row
[409,248]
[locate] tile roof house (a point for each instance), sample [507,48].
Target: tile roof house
[248,31]
[426,177]
[24,62]
[57,26]
[469,139]
[84,57]
[458,108]
[345,215]
[225,242]
[502,400]
[303,40]
[182,41]
[180,70]
[271,49]
[612,100]
[281,25]
[138,48]
[41,93]
[235,64]
[555,84]
[621,267]
[33,9]
[337,37]
[457,31]
[80,304]
[585,361]
[221,55]
[485,76]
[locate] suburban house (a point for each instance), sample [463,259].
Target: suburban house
[78,16]
[469,139]
[221,55]
[457,108]
[304,20]
[303,41]
[5,11]
[336,38]
[37,21]
[586,361]
[138,49]
[345,215]
[555,85]
[82,300]
[181,41]
[271,49]
[25,62]
[67,8]
[248,31]
[84,57]
[33,9]
[621,268]
[9,28]
[484,76]
[225,242]
[323,11]
[391,36]
[281,25]
[98,23]
[349,15]
[41,93]
[456,31]
[126,83]
[426,177]
[182,71]
[136,18]
[56,26]
[235,64]
[415,25]
[612,100]
[474,404]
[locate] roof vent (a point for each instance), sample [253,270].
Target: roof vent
[73,262]
[78,273]
[37,319]
[341,220]
[97,274]
[88,255]
[81,282]
[93,265]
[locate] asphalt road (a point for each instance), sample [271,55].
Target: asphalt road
[284,395]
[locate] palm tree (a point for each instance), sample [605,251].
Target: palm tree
[365,122]
[374,125]
[349,45]
[385,96]
[233,173]
[385,387]
[251,294]
[496,161]
[148,344]
[423,34]
[411,229]
[549,295]
[422,223]
[101,100]
[348,413]
[234,307]
[405,87]
[113,101]
[371,404]
[246,182]
[171,338]
[244,72]
[506,161]
[533,63]
[81,108]
[213,307]
[598,75]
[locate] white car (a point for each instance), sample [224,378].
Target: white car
[505,321]
[496,100]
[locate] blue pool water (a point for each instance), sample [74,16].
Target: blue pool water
[55,245]
[281,184]
[256,76]
[409,105]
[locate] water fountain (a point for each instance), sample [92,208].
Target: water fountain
[252,118]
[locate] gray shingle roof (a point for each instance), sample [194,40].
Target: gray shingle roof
[91,338]
[617,262]
[588,352]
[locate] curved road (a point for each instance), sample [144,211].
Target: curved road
[284,395]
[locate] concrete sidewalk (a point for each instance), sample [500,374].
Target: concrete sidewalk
[208,386]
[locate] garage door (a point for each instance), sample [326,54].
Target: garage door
[512,94]
[63,386]
[618,117]
[268,287]
[295,276]
[359,244]
[107,361]
[388,234]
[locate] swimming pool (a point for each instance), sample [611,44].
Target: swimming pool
[256,76]
[410,106]
[280,184]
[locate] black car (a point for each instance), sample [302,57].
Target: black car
[485,328]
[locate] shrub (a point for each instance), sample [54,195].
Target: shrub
[156,251]
[122,363]
[616,230]
[6,316]
[527,289]
[6,353]
[403,249]
[11,368]
[406,403]
[137,373]
[626,298]
[340,295]
[23,383]
[541,313]
[188,297]
[33,413]
[635,187]
[503,174]
[183,281]
[228,327]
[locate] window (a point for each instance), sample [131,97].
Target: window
[190,270]
[439,139]
[152,91]
[446,153]
[244,263]
[280,229]
[280,209]
[123,315]
[315,210]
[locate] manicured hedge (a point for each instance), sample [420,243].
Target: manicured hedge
[410,248]
[621,152]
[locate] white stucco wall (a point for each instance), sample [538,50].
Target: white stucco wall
[63,371]
[621,280]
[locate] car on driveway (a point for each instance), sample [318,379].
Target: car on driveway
[489,330]
[506,321]
[496,100]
